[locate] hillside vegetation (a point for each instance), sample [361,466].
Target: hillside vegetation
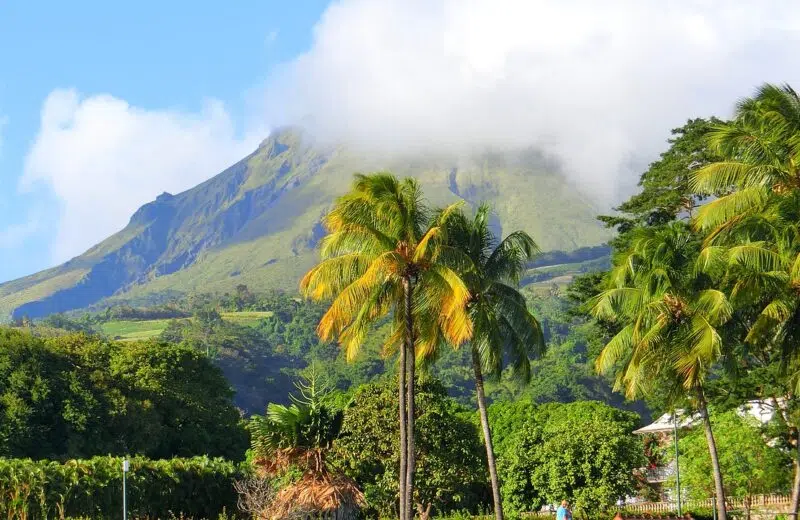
[258,222]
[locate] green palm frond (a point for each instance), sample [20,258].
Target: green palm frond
[381,238]
[502,326]
[616,350]
[713,306]
[668,311]
[618,303]
[756,256]
[716,213]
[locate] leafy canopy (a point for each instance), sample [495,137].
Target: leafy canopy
[584,452]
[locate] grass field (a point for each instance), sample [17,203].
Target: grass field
[247,318]
[133,330]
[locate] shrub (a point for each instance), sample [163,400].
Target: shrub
[198,487]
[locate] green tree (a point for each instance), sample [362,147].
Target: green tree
[508,417]
[207,321]
[503,327]
[750,465]
[77,396]
[33,390]
[177,403]
[665,195]
[669,316]
[381,256]
[449,450]
[666,190]
[584,452]
[752,224]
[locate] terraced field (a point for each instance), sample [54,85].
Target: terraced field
[247,318]
[132,330]
[126,330]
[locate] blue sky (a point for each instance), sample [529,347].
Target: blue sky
[154,55]
[104,105]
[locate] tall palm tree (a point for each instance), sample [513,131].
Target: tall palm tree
[503,328]
[753,224]
[670,315]
[384,254]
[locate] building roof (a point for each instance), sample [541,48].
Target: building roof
[666,423]
[762,411]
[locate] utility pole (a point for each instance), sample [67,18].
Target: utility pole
[125,468]
[677,463]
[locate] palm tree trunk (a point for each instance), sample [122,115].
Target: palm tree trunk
[401,378]
[410,408]
[487,435]
[712,449]
[411,459]
[783,416]
[796,485]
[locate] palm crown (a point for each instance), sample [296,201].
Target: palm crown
[378,240]
[752,227]
[299,433]
[670,312]
[503,327]
[758,180]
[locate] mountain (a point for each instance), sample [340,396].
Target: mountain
[257,223]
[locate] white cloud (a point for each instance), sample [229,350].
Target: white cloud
[103,158]
[597,84]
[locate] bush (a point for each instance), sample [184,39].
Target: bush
[583,452]
[450,472]
[79,396]
[198,487]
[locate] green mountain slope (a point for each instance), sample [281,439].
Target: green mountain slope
[257,223]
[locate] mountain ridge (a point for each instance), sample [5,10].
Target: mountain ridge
[258,222]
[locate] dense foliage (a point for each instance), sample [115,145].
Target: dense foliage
[699,309]
[451,468]
[583,452]
[750,464]
[261,360]
[77,396]
[721,312]
[196,487]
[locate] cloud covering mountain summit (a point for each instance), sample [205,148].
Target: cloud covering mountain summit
[596,84]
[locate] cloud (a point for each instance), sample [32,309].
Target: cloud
[597,84]
[103,158]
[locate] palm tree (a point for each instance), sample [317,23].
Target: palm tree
[503,328]
[304,430]
[670,315]
[752,226]
[301,435]
[383,254]
[759,176]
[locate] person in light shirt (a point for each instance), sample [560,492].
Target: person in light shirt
[563,512]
